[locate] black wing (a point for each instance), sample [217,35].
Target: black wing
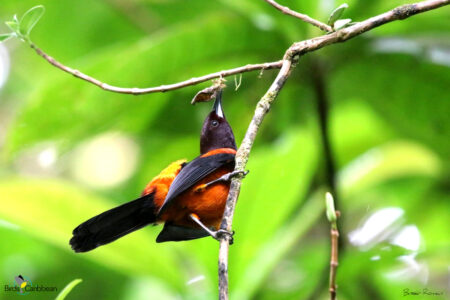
[193,172]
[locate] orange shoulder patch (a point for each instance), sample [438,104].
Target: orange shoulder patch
[165,177]
[172,170]
[219,151]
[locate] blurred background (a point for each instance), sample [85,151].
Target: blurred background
[368,119]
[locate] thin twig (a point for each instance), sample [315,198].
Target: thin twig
[287,11]
[332,216]
[334,257]
[161,88]
[399,13]
[318,71]
[263,106]
[334,262]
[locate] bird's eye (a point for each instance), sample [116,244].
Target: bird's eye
[214,123]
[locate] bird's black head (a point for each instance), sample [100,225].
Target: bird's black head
[216,132]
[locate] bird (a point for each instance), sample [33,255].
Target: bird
[21,282]
[187,197]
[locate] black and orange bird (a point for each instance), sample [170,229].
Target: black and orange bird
[188,197]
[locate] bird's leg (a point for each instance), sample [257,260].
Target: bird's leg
[215,234]
[227,177]
[224,178]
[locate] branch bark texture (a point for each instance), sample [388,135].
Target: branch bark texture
[292,54]
[334,260]
[156,89]
[241,161]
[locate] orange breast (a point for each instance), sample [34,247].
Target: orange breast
[208,204]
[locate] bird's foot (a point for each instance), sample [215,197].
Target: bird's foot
[229,176]
[223,232]
[224,178]
[218,234]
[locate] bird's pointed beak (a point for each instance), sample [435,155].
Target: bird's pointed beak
[217,108]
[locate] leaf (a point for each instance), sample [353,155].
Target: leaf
[350,141]
[341,23]
[208,93]
[271,177]
[13,25]
[30,18]
[331,212]
[6,36]
[392,160]
[277,246]
[63,294]
[415,106]
[336,14]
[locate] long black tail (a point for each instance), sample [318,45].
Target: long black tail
[113,224]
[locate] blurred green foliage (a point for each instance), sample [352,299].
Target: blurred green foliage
[389,128]
[63,294]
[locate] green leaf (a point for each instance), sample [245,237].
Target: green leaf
[295,153]
[13,25]
[392,160]
[30,18]
[6,36]
[277,246]
[337,13]
[415,106]
[350,141]
[62,295]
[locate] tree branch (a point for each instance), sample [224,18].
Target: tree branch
[399,13]
[161,88]
[241,160]
[287,11]
[263,106]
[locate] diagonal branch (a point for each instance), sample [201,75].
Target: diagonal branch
[263,106]
[241,160]
[287,11]
[399,13]
[161,88]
